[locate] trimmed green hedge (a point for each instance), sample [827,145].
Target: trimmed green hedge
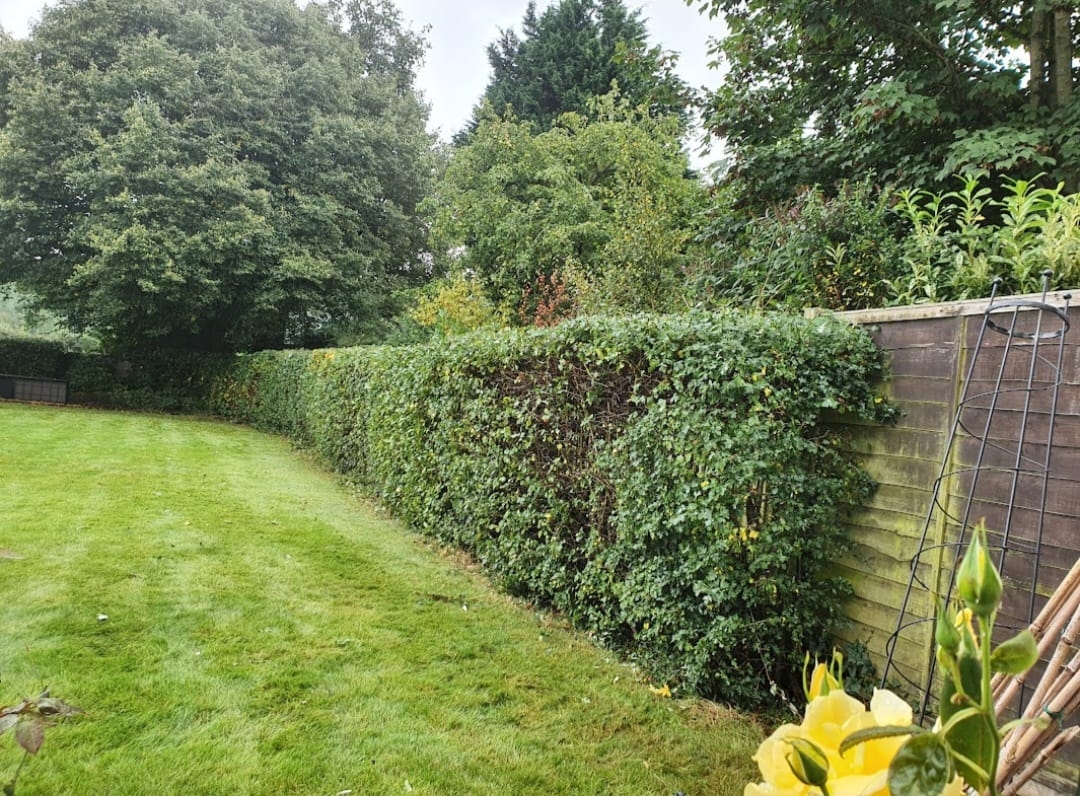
[33,357]
[664,482]
[166,381]
[159,381]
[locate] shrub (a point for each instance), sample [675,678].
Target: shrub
[33,357]
[454,304]
[155,381]
[664,482]
[960,241]
[830,251]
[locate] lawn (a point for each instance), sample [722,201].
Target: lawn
[234,620]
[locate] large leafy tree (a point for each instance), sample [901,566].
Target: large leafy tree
[909,90]
[571,53]
[595,212]
[214,176]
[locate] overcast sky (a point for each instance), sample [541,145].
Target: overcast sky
[456,70]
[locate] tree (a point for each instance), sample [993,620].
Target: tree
[909,90]
[225,176]
[593,213]
[572,52]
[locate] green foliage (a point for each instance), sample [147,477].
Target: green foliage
[661,481]
[454,304]
[155,381]
[921,767]
[572,52]
[967,741]
[219,177]
[17,320]
[834,252]
[167,381]
[860,676]
[33,357]
[605,204]
[960,241]
[910,91]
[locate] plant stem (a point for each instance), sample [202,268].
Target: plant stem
[9,788]
[986,631]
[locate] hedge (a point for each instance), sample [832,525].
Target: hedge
[167,381]
[662,481]
[33,357]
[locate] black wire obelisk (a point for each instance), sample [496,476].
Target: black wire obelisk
[995,470]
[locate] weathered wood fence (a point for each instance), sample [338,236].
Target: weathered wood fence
[929,350]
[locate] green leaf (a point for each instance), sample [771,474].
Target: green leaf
[1016,655]
[922,767]
[808,762]
[876,733]
[970,735]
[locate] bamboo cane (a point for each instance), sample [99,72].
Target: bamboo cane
[1057,627]
[1071,619]
[1066,651]
[1047,633]
[1058,692]
[1012,784]
[1025,740]
[1063,604]
[1005,687]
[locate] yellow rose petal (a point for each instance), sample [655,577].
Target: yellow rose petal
[771,758]
[861,785]
[889,709]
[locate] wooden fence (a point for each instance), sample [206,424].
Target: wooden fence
[928,350]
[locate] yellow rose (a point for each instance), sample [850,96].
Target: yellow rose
[876,784]
[771,758]
[765,789]
[829,719]
[886,710]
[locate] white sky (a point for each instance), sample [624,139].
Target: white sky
[456,70]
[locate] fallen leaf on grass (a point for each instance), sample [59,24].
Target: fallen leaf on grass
[30,735]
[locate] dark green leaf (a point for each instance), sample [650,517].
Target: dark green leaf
[922,767]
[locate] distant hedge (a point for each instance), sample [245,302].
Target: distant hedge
[664,482]
[33,357]
[167,381]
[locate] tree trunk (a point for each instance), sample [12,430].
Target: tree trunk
[1037,57]
[1062,58]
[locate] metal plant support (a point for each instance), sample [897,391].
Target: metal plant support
[996,470]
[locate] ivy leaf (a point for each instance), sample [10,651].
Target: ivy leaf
[922,767]
[30,735]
